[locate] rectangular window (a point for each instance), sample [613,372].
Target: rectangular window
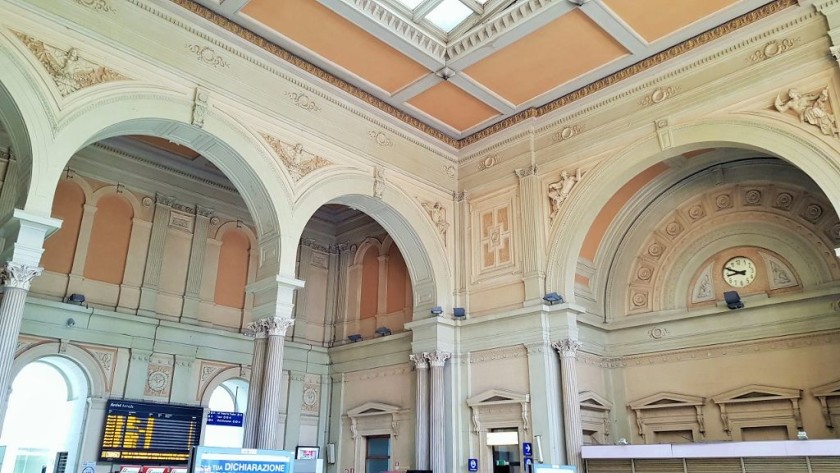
[377,453]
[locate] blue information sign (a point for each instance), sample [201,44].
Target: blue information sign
[526,449]
[234,460]
[529,465]
[472,464]
[234,419]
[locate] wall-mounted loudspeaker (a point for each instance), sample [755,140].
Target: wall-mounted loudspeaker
[330,453]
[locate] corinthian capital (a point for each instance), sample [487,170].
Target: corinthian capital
[19,276]
[420,360]
[437,358]
[277,325]
[255,329]
[566,347]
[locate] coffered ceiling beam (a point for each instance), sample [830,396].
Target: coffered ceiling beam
[482,93]
[614,27]
[391,28]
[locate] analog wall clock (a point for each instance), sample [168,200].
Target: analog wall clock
[739,271]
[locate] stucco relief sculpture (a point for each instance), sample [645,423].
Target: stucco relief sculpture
[294,158]
[813,109]
[200,105]
[68,70]
[438,215]
[378,182]
[560,190]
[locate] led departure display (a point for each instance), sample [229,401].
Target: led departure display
[137,432]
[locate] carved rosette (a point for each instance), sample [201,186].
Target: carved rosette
[567,348]
[420,360]
[437,358]
[277,326]
[19,276]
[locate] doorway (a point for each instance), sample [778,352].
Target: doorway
[504,444]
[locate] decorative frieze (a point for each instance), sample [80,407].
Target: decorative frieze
[773,49]
[566,133]
[659,95]
[207,55]
[69,71]
[303,101]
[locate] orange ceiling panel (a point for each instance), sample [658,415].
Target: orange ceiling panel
[553,55]
[324,32]
[654,19]
[453,106]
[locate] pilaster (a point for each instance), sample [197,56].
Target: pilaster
[461,238]
[437,417]
[421,411]
[154,258]
[182,385]
[382,295]
[294,405]
[337,409]
[138,367]
[198,248]
[303,272]
[831,10]
[544,386]
[533,252]
[8,193]
[567,349]
[331,307]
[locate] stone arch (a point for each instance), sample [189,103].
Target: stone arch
[136,205]
[403,219]
[24,112]
[232,226]
[234,372]
[145,111]
[95,374]
[368,244]
[812,155]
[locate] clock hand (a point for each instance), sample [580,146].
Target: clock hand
[733,272]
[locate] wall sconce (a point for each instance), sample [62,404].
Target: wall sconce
[437,310]
[383,331]
[553,298]
[459,313]
[733,300]
[356,337]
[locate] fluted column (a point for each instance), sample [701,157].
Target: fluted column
[421,409]
[567,348]
[252,413]
[192,297]
[437,434]
[532,214]
[154,258]
[17,279]
[272,382]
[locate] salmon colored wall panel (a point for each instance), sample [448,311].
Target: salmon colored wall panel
[60,248]
[611,209]
[370,284]
[233,270]
[397,277]
[109,240]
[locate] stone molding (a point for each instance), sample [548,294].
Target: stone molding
[504,353]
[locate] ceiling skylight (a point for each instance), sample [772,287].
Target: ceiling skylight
[449,14]
[411,4]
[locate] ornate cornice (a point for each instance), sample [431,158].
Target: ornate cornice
[639,67]
[407,30]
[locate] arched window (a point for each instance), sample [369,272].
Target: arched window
[230,396]
[45,414]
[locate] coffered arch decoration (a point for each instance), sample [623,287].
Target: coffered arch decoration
[762,135]
[761,204]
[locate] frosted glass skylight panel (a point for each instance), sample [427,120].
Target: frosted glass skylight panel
[411,4]
[449,14]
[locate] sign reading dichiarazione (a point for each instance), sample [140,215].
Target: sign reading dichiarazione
[234,460]
[137,432]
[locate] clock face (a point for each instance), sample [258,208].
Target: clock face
[739,271]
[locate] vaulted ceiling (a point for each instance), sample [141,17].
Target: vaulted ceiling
[461,66]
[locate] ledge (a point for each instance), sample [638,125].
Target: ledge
[785,448]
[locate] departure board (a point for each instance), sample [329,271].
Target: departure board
[137,432]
